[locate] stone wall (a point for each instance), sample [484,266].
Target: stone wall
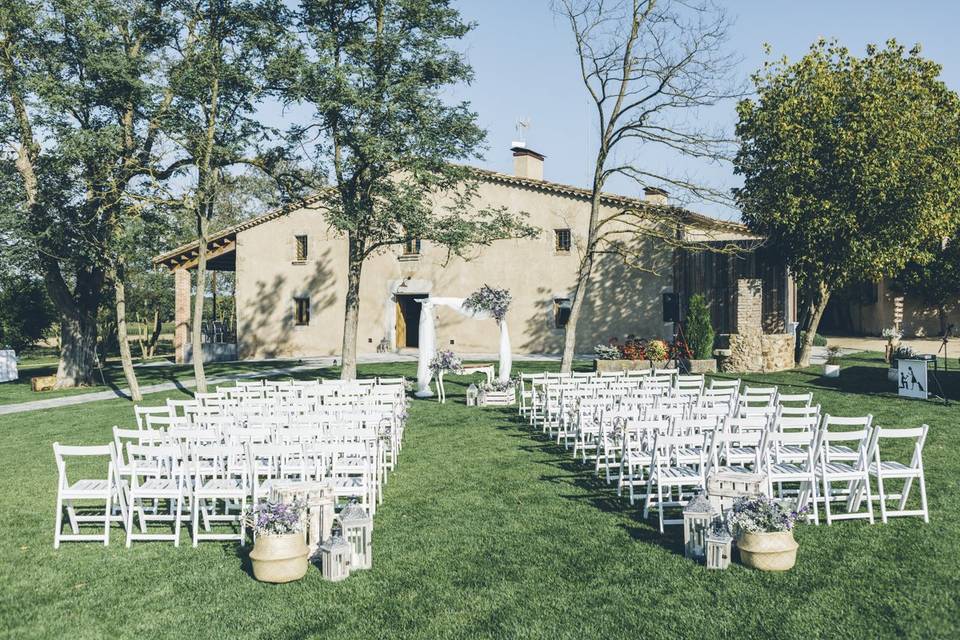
[751,350]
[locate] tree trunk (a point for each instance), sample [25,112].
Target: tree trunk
[155,336]
[197,333]
[583,278]
[817,305]
[126,360]
[213,296]
[351,315]
[78,338]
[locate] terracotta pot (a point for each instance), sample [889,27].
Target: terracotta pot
[280,558]
[774,551]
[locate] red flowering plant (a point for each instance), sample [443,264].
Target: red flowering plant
[679,350]
[633,350]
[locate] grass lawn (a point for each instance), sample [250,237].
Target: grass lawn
[489,531]
[112,377]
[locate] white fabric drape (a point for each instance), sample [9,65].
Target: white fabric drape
[428,340]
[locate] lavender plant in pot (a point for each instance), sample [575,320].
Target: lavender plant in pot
[280,551]
[764,532]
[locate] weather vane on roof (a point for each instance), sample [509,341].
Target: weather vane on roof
[522,126]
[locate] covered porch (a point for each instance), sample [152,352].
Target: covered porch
[219,335]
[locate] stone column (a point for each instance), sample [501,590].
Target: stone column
[181,314]
[749,305]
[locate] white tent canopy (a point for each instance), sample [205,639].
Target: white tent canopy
[428,340]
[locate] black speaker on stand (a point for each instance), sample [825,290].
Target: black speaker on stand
[671,307]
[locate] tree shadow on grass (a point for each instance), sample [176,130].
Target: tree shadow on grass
[592,490]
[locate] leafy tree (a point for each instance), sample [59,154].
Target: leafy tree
[645,64]
[373,72]
[851,166]
[699,331]
[936,282]
[217,79]
[81,110]
[26,313]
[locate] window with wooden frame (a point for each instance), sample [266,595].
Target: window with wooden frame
[301,252]
[561,312]
[301,311]
[561,240]
[411,247]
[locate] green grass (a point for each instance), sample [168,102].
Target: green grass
[488,531]
[112,377]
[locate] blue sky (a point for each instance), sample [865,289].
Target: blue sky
[525,66]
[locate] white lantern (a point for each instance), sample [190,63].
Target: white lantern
[320,514]
[357,527]
[472,393]
[697,516]
[335,559]
[719,545]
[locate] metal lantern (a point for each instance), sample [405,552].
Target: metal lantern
[357,527]
[335,559]
[719,545]
[697,516]
[472,394]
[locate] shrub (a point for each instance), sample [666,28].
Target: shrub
[699,332]
[818,340]
[604,352]
[657,350]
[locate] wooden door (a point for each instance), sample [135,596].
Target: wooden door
[401,340]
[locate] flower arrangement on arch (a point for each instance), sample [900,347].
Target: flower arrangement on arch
[493,300]
[277,518]
[763,515]
[444,361]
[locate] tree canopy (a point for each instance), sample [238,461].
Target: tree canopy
[851,166]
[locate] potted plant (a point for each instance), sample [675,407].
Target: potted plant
[764,532]
[832,368]
[657,352]
[497,393]
[442,362]
[893,335]
[280,551]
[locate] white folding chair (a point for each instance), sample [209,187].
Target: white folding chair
[218,474]
[842,469]
[83,490]
[890,469]
[791,458]
[156,474]
[672,469]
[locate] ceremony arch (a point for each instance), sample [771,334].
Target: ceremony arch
[428,340]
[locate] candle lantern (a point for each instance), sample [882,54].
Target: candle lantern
[472,394]
[335,559]
[719,543]
[320,514]
[357,527]
[697,516]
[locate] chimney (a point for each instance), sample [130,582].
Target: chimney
[655,195]
[527,163]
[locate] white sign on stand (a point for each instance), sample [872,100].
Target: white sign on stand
[912,378]
[8,365]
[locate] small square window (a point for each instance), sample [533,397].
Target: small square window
[561,312]
[301,311]
[411,247]
[301,248]
[562,240]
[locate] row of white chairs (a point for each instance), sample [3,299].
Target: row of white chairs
[183,471]
[664,433]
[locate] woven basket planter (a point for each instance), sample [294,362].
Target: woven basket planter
[774,551]
[280,558]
